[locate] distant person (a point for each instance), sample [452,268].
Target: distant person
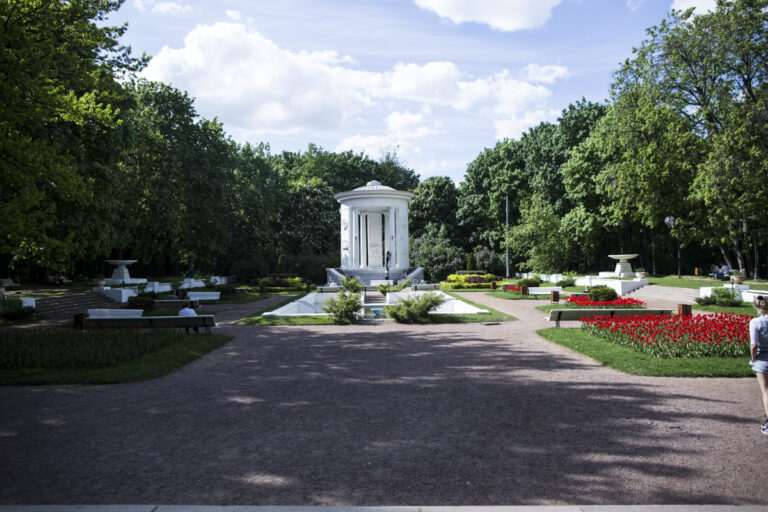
[57,279]
[725,271]
[172,296]
[715,272]
[758,341]
[388,260]
[188,311]
[191,269]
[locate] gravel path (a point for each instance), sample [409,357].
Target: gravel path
[387,415]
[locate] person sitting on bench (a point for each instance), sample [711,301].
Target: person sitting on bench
[188,311]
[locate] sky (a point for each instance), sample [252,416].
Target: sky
[434,81]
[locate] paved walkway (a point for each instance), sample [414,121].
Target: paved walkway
[387,415]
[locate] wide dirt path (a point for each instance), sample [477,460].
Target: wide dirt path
[384,414]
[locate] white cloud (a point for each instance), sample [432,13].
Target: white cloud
[634,4]
[254,86]
[700,5]
[171,8]
[545,74]
[506,15]
[233,15]
[162,7]
[514,126]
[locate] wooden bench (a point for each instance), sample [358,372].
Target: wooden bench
[115,313]
[194,304]
[558,315]
[153,322]
[203,295]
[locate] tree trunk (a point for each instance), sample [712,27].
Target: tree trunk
[749,249]
[737,248]
[726,255]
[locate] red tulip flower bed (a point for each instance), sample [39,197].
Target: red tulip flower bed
[510,288]
[670,336]
[582,301]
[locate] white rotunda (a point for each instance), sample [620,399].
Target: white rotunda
[374,221]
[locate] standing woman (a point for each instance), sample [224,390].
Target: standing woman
[758,340]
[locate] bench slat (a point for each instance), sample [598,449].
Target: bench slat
[160,322]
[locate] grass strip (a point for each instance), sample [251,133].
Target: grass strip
[628,361]
[493,315]
[148,366]
[745,309]
[258,319]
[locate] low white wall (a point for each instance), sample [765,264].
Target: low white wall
[740,290]
[621,287]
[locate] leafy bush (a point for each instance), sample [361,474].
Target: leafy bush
[568,281]
[475,279]
[14,309]
[415,310]
[227,290]
[351,284]
[601,293]
[529,282]
[145,303]
[387,288]
[343,307]
[720,297]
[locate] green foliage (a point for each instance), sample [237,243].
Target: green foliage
[720,297]
[529,282]
[343,307]
[538,238]
[602,292]
[14,309]
[351,285]
[564,283]
[138,302]
[434,203]
[435,252]
[470,261]
[415,310]
[227,290]
[387,288]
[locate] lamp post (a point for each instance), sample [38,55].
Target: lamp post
[670,221]
[505,237]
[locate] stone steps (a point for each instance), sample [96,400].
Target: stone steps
[66,305]
[665,296]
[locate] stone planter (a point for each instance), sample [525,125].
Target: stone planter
[641,275]
[737,279]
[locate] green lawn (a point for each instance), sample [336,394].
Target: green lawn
[258,319]
[698,282]
[745,309]
[492,316]
[149,366]
[629,361]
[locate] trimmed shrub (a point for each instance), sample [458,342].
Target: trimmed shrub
[719,297]
[602,292]
[413,310]
[351,284]
[14,309]
[475,279]
[343,307]
[227,290]
[145,303]
[529,282]
[566,282]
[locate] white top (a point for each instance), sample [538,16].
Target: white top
[725,270]
[758,333]
[187,312]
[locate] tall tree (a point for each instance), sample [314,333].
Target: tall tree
[434,202]
[58,70]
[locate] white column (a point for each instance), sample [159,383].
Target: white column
[355,251]
[391,241]
[363,240]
